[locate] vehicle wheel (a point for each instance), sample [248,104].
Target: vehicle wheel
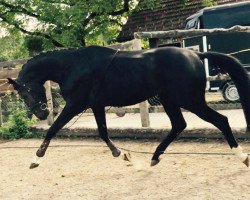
[230,93]
[120,112]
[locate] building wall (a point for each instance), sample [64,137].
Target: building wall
[171,14]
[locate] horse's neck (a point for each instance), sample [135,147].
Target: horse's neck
[54,75]
[39,78]
[39,75]
[56,66]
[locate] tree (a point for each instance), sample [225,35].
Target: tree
[209,3]
[66,23]
[12,47]
[71,23]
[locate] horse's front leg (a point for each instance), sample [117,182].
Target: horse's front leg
[66,115]
[100,118]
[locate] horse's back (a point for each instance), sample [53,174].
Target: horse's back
[125,77]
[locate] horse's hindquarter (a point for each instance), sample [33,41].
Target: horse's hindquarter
[180,75]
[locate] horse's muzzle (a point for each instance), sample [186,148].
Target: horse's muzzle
[42,115]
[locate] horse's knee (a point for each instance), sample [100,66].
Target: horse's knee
[179,127]
[224,120]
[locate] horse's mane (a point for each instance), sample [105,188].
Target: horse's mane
[48,53]
[61,50]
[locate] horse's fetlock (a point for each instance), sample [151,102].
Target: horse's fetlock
[41,151]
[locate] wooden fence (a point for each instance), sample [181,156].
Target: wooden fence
[7,73]
[189,33]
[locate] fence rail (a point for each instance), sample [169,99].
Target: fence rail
[12,63]
[189,33]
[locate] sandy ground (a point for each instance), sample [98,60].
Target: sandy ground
[85,169]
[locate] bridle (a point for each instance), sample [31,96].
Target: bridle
[42,105]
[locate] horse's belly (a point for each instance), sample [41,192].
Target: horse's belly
[128,82]
[122,96]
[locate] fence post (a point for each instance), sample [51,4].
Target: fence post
[50,118]
[143,105]
[1,113]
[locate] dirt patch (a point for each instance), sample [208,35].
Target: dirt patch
[85,169]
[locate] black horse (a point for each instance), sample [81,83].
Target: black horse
[95,77]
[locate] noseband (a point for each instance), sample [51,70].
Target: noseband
[41,105]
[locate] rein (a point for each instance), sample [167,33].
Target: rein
[113,57]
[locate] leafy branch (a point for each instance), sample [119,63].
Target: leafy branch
[18,27]
[67,22]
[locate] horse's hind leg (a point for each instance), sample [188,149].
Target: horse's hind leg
[178,125]
[221,122]
[99,113]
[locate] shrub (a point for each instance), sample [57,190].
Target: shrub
[18,124]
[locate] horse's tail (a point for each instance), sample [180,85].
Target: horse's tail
[238,74]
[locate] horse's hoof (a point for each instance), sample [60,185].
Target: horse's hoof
[154,162]
[116,153]
[33,165]
[127,157]
[246,162]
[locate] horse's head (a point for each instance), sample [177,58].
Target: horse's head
[34,97]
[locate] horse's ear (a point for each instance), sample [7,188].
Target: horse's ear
[15,84]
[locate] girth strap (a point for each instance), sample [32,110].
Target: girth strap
[99,82]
